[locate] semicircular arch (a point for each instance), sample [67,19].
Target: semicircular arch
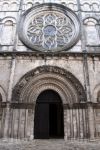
[49,77]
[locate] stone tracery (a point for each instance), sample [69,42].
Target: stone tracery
[52,30]
[49,28]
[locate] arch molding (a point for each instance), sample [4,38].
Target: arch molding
[49,77]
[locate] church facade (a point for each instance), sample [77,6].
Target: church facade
[50,69]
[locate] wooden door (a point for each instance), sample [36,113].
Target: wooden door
[41,122]
[48,122]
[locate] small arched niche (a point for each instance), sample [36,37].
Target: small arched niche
[8,32]
[91,31]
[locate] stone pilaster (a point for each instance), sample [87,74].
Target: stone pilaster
[9,95]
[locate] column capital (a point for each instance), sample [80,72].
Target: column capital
[90,104]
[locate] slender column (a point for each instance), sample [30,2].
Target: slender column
[26,122]
[65,123]
[12,124]
[2,122]
[33,113]
[31,125]
[19,124]
[30,133]
[91,120]
[6,121]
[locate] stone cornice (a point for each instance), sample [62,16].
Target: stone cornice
[60,54]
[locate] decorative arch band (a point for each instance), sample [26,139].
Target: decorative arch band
[48,77]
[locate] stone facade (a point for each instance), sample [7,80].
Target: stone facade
[74,74]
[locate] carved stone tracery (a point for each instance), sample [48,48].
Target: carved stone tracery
[49,28]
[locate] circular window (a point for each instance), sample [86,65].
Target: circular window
[49,28]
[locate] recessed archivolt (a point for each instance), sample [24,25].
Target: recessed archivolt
[48,77]
[49,81]
[64,93]
[64,96]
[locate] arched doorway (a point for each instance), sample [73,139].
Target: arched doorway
[48,121]
[51,90]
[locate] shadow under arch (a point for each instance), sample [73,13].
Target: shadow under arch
[49,120]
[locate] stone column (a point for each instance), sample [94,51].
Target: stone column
[33,121]
[26,123]
[65,123]
[91,120]
[19,124]
[31,124]
[7,120]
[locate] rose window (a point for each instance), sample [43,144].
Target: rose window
[49,28]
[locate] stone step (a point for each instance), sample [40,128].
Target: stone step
[48,145]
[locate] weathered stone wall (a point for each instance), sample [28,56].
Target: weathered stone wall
[73,64]
[19,118]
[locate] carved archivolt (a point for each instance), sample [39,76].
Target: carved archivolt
[48,77]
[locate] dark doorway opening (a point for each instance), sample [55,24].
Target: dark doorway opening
[48,121]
